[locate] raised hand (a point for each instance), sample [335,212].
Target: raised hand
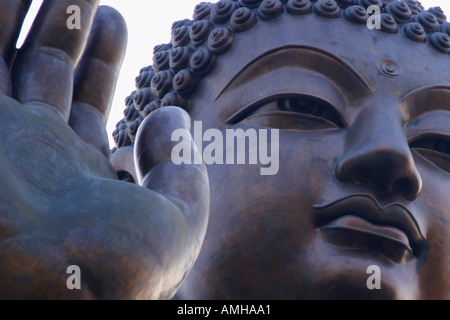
[60,201]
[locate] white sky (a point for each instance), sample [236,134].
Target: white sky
[149,24]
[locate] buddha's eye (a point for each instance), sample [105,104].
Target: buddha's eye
[438,145]
[294,112]
[442,146]
[310,106]
[437,150]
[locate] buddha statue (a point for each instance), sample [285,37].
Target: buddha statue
[62,207]
[363,119]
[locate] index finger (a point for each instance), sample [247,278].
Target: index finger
[12,14]
[44,69]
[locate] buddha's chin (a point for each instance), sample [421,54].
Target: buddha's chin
[346,286]
[341,273]
[318,270]
[343,277]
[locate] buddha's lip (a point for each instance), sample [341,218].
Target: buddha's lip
[367,208]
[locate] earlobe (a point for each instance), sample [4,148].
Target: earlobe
[122,160]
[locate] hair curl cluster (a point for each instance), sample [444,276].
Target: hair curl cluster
[180,65]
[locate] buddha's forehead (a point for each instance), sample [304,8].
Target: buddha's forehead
[371,54]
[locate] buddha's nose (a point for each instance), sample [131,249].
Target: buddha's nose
[377,152]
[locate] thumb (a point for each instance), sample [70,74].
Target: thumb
[186,185]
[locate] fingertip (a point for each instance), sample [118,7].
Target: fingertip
[43,71]
[154,138]
[164,119]
[98,71]
[12,15]
[170,114]
[108,13]
[109,36]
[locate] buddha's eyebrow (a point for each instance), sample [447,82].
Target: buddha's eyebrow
[434,89]
[345,76]
[426,99]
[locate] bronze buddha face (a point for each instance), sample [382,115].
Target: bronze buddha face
[364,163]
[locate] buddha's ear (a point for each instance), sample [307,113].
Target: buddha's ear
[122,160]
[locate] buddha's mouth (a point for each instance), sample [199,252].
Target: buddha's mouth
[352,232]
[358,223]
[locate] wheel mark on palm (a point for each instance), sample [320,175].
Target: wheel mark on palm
[43,162]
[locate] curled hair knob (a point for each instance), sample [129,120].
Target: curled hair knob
[144,79]
[222,11]
[130,99]
[133,128]
[161,60]
[185,82]
[414,6]
[243,19]
[299,7]
[345,3]
[440,41]
[174,99]
[220,40]
[270,9]
[202,11]
[180,57]
[327,9]
[388,23]
[252,4]
[130,113]
[415,32]
[400,11]
[199,31]
[202,61]
[368,3]
[143,97]
[121,138]
[162,82]
[439,14]
[180,36]
[149,108]
[445,28]
[428,21]
[356,14]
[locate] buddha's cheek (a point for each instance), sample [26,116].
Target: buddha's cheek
[263,225]
[433,213]
[434,268]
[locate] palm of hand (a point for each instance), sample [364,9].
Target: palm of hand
[61,204]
